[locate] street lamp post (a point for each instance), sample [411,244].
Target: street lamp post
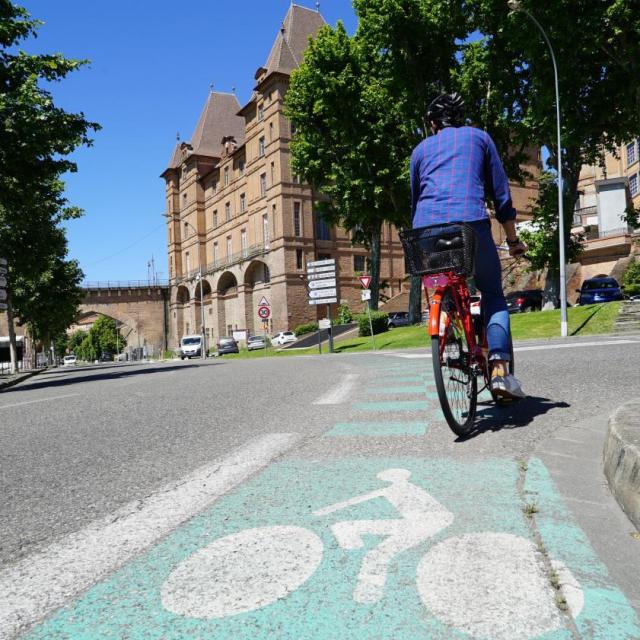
[516,6]
[203,352]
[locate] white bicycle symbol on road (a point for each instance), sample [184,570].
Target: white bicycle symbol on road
[487,584]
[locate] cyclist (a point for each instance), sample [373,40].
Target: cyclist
[452,172]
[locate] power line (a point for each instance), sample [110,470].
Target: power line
[133,244]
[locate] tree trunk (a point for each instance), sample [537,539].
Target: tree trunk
[13,351]
[375,268]
[415,300]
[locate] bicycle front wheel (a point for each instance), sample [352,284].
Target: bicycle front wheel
[456,382]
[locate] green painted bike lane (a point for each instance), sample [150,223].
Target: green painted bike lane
[297,552]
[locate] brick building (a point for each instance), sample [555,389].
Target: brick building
[241,226]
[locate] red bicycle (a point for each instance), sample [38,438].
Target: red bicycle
[443,256]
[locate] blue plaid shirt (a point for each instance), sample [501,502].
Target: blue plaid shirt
[450,174]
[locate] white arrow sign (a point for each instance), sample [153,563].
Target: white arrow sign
[321,263]
[322,284]
[320,276]
[321,269]
[323,301]
[323,292]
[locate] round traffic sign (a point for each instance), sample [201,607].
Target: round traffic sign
[264,312]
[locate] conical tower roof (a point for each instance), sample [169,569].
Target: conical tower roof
[287,51]
[218,119]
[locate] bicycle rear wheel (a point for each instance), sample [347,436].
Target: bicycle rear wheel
[455,380]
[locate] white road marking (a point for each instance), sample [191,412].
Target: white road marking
[558,454]
[541,347]
[20,404]
[341,392]
[45,581]
[422,518]
[574,345]
[502,582]
[242,572]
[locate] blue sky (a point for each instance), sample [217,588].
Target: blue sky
[151,66]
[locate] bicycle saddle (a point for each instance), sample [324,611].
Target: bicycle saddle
[447,244]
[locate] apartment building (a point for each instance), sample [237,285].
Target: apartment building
[242,227]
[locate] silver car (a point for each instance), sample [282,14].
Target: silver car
[256,342]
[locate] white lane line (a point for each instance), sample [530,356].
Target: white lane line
[340,392]
[541,347]
[43,582]
[574,345]
[20,404]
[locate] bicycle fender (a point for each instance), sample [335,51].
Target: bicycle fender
[434,313]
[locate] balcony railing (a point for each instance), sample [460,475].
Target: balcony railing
[223,263]
[579,215]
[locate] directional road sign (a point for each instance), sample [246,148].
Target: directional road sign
[331,268]
[321,263]
[323,301]
[322,284]
[264,312]
[365,281]
[323,293]
[321,276]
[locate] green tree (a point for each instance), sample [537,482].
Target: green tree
[75,339]
[508,76]
[106,336]
[345,144]
[36,138]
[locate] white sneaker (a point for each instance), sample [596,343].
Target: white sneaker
[507,387]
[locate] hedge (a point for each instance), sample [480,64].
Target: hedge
[379,320]
[301,329]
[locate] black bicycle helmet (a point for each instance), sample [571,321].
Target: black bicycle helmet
[447,110]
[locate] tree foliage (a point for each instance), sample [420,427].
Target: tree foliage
[103,337]
[36,138]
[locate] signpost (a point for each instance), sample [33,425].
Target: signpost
[264,313]
[322,287]
[365,281]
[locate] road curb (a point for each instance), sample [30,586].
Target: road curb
[622,458]
[20,378]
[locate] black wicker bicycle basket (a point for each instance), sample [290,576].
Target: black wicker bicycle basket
[439,248]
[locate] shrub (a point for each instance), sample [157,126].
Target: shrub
[631,289]
[344,314]
[631,275]
[379,320]
[301,329]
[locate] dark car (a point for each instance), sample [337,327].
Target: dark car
[398,319]
[600,289]
[105,356]
[524,301]
[227,345]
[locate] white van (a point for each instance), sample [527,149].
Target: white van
[190,347]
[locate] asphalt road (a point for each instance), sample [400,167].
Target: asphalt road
[77,445]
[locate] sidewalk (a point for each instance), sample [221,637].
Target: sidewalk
[12,380]
[622,458]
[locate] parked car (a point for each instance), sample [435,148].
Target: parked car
[524,301]
[227,344]
[256,342]
[600,289]
[398,319]
[190,347]
[69,361]
[283,337]
[105,356]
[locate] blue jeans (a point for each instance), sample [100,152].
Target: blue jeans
[488,279]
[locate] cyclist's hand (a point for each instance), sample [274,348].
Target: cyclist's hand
[518,250]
